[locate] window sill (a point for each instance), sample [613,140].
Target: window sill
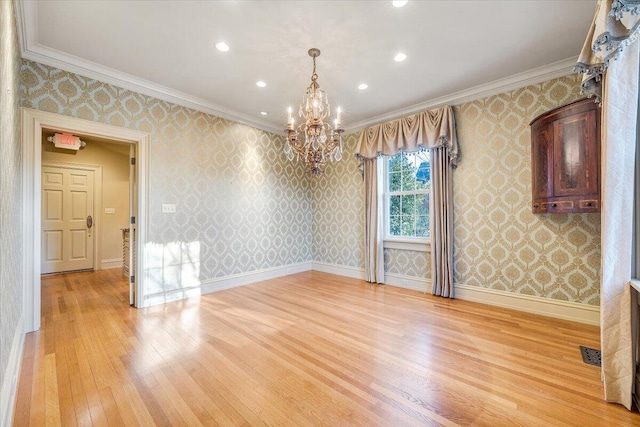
[407,244]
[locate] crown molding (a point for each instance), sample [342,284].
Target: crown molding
[27,20]
[73,64]
[27,31]
[537,75]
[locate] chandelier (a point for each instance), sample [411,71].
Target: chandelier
[314,140]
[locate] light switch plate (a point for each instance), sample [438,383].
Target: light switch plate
[166,208]
[109,211]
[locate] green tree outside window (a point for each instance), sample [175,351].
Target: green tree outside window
[408,182]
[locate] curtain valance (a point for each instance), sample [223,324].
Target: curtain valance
[615,26]
[429,129]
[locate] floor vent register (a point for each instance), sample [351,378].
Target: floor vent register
[591,356]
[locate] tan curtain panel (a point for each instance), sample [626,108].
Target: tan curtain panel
[373,250]
[610,62]
[434,130]
[429,129]
[441,220]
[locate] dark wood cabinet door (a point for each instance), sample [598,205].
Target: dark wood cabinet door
[575,155]
[565,159]
[541,148]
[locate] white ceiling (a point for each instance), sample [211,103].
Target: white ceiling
[455,49]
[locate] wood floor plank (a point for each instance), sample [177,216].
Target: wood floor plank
[308,349]
[94,406]
[51,400]
[23,394]
[65,394]
[37,411]
[129,401]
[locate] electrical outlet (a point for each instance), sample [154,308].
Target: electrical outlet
[166,208]
[109,211]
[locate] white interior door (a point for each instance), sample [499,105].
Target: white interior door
[67,219]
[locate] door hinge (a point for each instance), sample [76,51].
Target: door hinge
[133,161]
[133,220]
[133,279]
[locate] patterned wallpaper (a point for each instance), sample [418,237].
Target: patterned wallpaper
[407,263]
[499,243]
[338,219]
[10,185]
[239,213]
[241,206]
[338,210]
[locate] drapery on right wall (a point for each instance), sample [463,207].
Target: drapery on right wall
[610,62]
[433,130]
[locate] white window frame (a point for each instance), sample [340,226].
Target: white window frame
[419,244]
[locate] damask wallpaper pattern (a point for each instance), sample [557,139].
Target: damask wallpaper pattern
[10,186]
[407,263]
[338,210]
[241,206]
[499,243]
[239,213]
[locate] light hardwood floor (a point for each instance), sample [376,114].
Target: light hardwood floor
[307,349]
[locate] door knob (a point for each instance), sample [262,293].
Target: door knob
[89,221]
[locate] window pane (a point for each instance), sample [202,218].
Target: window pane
[408,225]
[394,225]
[408,174]
[408,205]
[423,176]
[394,205]
[422,156]
[422,226]
[395,181]
[408,213]
[394,163]
[422,204]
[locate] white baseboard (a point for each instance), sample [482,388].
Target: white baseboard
[576,312]
[407,282]
[583,313]
[11,375]
[340,270]
[391,279]
[566,310]
[107,264]
[228,282]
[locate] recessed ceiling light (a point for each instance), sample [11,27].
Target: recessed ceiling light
[400,57]
[261,84]
[399,3]
[264,113]
[222,47]
[363,86]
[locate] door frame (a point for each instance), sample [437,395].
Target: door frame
[97,203]
[33,123]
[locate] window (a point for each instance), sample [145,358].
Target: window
[407,183]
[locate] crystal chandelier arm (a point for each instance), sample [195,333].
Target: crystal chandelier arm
[313,140]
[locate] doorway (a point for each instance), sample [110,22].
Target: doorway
[80,230]
[35,123]
[67,218]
